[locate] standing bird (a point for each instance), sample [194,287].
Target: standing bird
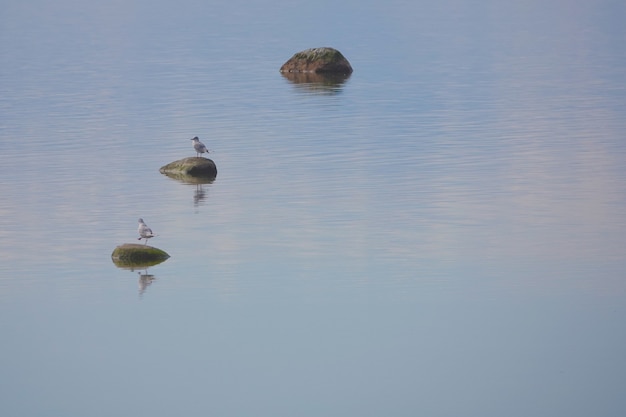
[199,147]
[144,231]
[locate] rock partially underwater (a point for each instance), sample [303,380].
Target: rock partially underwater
[136,256]
[318,60]
[190,167]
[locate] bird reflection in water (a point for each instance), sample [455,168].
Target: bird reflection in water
[199,196]
[145,280]
[201,184]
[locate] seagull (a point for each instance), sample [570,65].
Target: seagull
[199,146]
[144,231]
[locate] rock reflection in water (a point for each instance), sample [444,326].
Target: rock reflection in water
[190,179]
[200,193]
[145,279]
[319,83]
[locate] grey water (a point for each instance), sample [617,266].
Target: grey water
[443,233]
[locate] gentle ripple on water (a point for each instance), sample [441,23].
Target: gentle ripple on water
[448,221]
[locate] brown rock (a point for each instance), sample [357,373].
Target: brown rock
[318,60]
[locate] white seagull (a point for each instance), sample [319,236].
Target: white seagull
[144,231]
[199,146]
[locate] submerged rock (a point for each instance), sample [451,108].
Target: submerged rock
[318,60]
[192,166]
[134,255]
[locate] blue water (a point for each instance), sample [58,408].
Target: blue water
[442,233]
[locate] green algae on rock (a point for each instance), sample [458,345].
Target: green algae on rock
[134,255]
[318,60]
[192,166]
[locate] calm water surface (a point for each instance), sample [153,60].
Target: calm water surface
[442,233]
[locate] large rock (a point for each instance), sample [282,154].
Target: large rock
[135,255]
[193,166]
[318,60]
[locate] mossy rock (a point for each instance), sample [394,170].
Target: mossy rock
[318,60]
[192,166]
[134,255]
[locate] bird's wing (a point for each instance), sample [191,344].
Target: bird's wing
[145,230]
